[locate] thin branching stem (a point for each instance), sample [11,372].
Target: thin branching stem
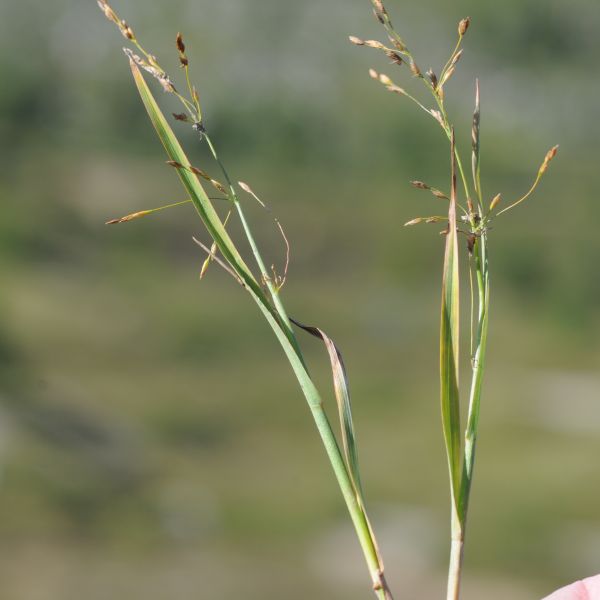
[267,279]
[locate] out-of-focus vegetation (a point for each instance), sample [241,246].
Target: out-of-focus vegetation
[144,455]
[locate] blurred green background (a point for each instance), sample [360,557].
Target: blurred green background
[153,441]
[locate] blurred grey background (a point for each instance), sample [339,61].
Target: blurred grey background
[153,441]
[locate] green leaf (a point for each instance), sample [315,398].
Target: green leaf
[342,395]
[449,343]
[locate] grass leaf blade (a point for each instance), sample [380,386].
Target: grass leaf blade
[197,194]
[342,395]
[449,343]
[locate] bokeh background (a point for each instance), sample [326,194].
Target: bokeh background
[153,441]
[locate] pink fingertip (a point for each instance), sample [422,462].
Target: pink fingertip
[588,589]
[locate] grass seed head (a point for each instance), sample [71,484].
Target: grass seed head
[463,26]
[356,40]
[180,44]
[126,30]
[374,44]
[181,49]
[153,69]
[495,201]
[385,80]
[394,57]
[175,164]
[397,90]
[456,57]
[246,187]
[415,69]
[131,217]
[471,239]
[437,115]
[439,194]
[447,75]
[420,185]
[379,17]
[397,44]
[379,7]
[108,12]
[432,77]
[549,156]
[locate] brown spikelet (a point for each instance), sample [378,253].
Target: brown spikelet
[439,194]
[415,69]
[175,164]
[183,60]
[379,17]
[180,44]
[181,117]
[549,156]
[216,184]
[379,7]
[420,185]
[495,201]
[397,90]
[471,239]
[447,75]
[463,26]
[437,115]
[433,78]
[456,58]
[109,13]
[394,57]
[356,41]
[397,44]
[126,30]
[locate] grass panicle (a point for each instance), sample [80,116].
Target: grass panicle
[264,287]
[460,442]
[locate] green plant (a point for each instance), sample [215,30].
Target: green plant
[476,218]
[264,289]
[265,286]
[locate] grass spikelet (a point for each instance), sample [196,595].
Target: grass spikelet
[144,213]
[542,170]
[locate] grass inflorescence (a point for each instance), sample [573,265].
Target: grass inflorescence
[476,217]
[264,286]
